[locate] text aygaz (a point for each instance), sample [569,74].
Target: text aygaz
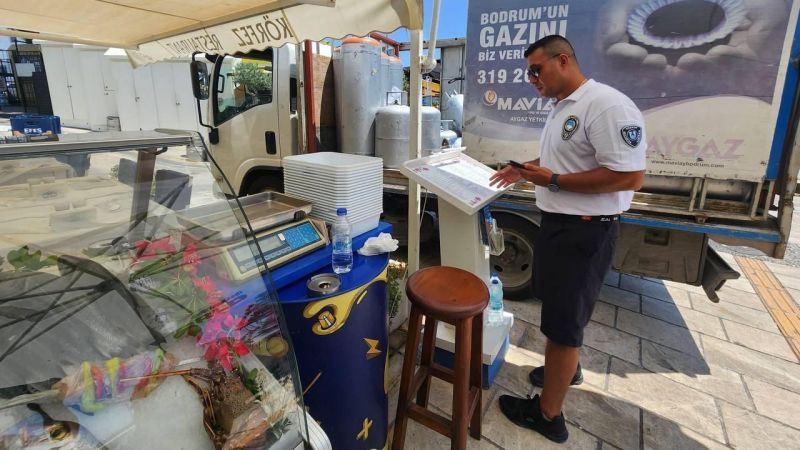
[714,149]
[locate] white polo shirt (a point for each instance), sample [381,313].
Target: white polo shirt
[595,126]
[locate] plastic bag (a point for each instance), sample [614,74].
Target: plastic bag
[497,243]
[95,385]
[376,245]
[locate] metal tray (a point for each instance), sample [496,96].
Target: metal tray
[222,221]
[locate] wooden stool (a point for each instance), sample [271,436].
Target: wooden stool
[456,297]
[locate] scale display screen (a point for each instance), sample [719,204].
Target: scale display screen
[293,239]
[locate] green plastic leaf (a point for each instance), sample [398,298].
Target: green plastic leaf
[180,332]
[24,261]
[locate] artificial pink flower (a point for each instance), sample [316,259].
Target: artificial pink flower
[214,299]
[224,357]
[211,351]
[161,245]
[147,250]
[205,284]
[240,348]
[221,336]
[190,257]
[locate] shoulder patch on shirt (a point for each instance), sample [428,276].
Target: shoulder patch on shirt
[570,127]
[632,135]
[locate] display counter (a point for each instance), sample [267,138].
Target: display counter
[123,324]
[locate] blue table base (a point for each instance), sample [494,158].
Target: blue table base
[341,345]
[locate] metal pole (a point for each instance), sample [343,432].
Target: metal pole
[3,82]
[388,41]
[143,183]
[768,201]
[703,194]
[414,145]
[308,89]
[693,197]
[429,63]
[20,91]
[756,197]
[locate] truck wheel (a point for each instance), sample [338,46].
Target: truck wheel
[515,265]
[262,182]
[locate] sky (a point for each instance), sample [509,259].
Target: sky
[452,23]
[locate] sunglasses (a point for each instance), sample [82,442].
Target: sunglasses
[534,69]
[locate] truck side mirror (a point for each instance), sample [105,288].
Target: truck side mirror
[199,80]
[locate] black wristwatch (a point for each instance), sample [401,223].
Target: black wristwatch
[553,185]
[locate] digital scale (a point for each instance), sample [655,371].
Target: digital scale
[278,246]
[279,223]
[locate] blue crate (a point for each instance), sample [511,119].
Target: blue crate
[34,125]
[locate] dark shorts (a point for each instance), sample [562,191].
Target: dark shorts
[570,260]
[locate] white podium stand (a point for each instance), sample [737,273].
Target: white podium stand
[462,186]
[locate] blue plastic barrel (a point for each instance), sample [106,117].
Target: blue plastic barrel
[342,346]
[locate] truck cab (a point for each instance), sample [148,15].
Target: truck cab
[253,118]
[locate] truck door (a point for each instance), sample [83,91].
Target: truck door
[245,113]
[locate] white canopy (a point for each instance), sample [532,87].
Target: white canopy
[152,30]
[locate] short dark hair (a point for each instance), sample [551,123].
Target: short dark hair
[552,45]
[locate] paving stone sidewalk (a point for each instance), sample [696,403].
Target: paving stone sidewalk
[664,369]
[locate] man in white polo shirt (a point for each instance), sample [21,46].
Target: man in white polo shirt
[592,158]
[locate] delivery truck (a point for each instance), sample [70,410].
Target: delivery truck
[719,93]
[716,81]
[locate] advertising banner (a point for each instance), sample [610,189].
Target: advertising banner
[708,76]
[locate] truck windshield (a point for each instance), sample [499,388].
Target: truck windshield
[242,82]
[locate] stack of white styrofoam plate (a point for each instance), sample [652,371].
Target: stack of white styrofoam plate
[337,180]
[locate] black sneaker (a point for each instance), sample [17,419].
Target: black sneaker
[526,413]
[537,376]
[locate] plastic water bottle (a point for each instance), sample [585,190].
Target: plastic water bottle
[495,314]
[342,257]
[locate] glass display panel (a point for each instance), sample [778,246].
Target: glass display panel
[121,323]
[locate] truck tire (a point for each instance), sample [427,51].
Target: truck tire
[515,265]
